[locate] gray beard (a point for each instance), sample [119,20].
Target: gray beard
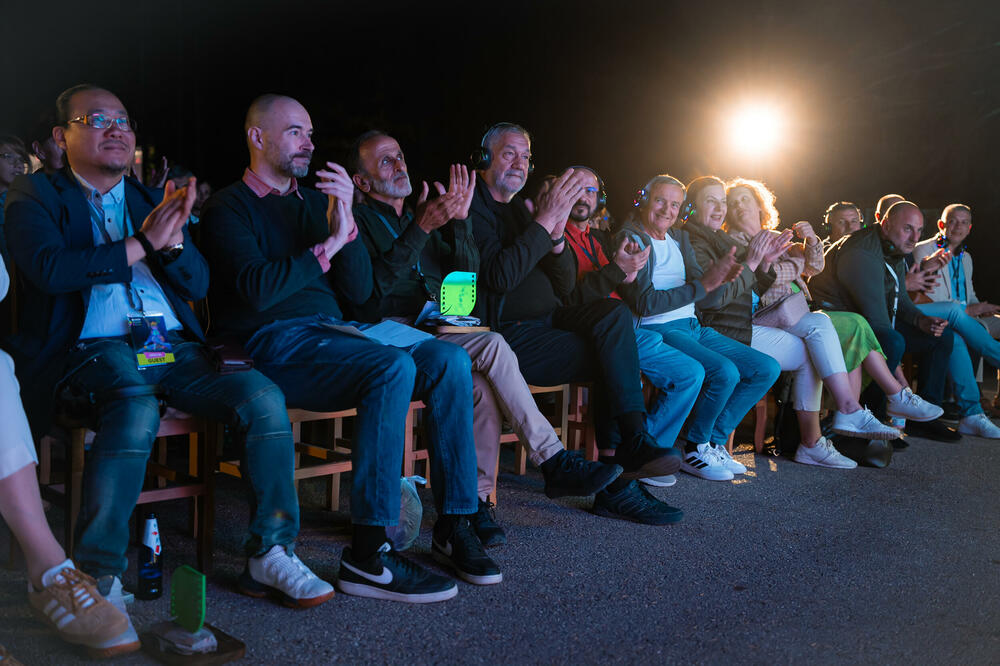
[288,168]
[389,189]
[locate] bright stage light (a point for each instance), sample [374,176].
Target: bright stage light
[756,129]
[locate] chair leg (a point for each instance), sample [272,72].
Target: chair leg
[760,425]
[74,486]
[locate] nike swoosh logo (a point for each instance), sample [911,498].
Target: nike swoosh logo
[383,578]
[446,548]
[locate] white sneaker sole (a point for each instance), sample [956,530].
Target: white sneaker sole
[913,417]
[708,473]
[887,433]
[361,590]
[816,463]
[659,481]
[972,432]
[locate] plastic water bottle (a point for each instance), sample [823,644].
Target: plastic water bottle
[150,562]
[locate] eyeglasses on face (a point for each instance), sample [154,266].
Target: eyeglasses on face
[101,121]
[13,159]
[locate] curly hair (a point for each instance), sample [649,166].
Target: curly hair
[765,199]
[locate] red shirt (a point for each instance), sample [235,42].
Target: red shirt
[589,253]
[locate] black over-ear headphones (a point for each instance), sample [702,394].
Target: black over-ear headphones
[602,193]
[481,158]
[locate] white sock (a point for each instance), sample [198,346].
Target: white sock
[49,576]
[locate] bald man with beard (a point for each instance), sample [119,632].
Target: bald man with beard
[866,273]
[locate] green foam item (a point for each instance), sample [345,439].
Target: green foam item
[187,598]
[458,293]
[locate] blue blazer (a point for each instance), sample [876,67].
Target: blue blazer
[50,240]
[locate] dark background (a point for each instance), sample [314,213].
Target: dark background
[881,97]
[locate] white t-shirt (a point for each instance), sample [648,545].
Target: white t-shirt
[668,272]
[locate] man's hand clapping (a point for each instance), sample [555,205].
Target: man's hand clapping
[630,258]
[164,225]
[339,188]
[723,270]
[554,205]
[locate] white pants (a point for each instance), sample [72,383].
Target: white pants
[810,350]
[17,449]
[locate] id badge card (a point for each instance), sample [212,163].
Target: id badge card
[149,340]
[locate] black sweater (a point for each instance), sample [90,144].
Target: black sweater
[518,275]
[262,263]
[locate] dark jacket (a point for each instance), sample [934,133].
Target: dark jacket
[597,284]
[263,265]
[731,310]
[518,273]
[856,279]
[398,288]
[50,239]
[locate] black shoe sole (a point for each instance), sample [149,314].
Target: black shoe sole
[468,577]
[597,484]
[947,436]
[661,466]
[669,519]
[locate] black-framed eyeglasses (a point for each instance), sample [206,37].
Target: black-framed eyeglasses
[101,121]
[13,159]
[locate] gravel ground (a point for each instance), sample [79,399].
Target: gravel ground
[787,564]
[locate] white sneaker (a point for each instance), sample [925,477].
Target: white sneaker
[279,573]
[728,462]
[978,425]
[823,455]
[705,463]
[863,423]
[908,405]
[664,481]
[110,588]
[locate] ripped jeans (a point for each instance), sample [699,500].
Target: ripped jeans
[126,428]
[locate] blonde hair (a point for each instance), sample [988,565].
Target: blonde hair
[765,199]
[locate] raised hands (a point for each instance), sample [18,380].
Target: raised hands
[164,225]
[779,243]
[452,203]
[804,231]
[339,189]
[936,261]
[630,258]
[723,270]
[554,205]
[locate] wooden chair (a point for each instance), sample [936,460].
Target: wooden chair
[325,452]
[199,487]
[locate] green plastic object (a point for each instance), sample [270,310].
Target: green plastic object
[458,294]
[187,598]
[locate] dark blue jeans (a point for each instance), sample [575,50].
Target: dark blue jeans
[584,343]
[932,354]
[321,368]
[126,429]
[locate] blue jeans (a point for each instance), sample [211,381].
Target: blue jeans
[323,369]
[678,378]
[736,377]
[126,428]
[969,333]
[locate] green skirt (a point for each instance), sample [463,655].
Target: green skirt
[856,337]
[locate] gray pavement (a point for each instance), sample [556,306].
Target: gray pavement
[786,565]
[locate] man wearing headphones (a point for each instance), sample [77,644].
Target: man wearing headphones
[527,278]
[841,219]
[409,261]
[975,323]
[865,273]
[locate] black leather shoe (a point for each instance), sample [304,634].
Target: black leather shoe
[484,524]
[569,474]
[870,453]
[899,444]
[935,430]
[642,458]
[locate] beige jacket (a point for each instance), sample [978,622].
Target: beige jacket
[945,291]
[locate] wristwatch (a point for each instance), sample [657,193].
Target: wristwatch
[171,252]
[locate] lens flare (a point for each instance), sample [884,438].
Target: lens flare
[756,129]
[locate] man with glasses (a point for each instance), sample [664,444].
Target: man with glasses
[106,262]
[13,162]
[527,276]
